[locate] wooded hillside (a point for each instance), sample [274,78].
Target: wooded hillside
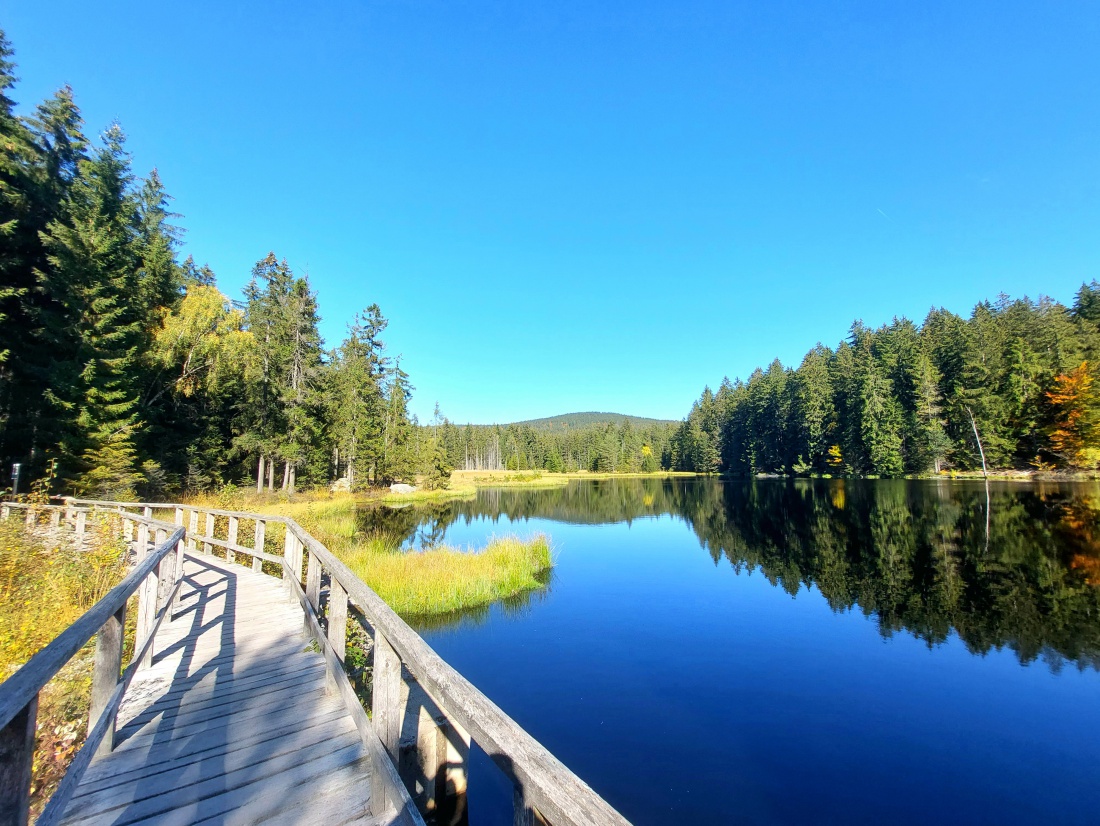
[1017,376]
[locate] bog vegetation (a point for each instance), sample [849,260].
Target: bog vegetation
[433,582]
[47,583]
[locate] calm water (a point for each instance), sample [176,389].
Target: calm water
[793,652]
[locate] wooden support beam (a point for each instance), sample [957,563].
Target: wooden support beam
[258,545]
[16,759]
[192,531]
[234,527]
[338,619]
[210,523]
[108,666]
[386,696]
[313,582]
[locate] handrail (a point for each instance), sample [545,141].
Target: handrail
[542,782]
[19,693]
[545,790]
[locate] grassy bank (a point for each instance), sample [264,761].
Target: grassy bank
[45,585]
[415,583]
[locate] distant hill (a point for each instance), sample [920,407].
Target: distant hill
[574,421]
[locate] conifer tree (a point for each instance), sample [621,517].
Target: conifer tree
[91,274]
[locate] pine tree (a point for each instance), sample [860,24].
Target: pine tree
[91,275]
[357,404]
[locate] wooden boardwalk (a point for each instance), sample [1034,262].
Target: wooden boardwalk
[236,707]
[234,723]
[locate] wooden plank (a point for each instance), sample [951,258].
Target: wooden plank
[387,792]
[227,690]
[220,705]
[231,790]
[231,675]
[137,763]
[178,774]
[253,719]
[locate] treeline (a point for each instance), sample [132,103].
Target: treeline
[602,447]
[124,371]
[1012,386]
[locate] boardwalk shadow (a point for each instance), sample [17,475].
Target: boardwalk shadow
[233,723]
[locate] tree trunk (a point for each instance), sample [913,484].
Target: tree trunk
[271,473]
[286,475]
[260,475]
[978,439]
[292,477]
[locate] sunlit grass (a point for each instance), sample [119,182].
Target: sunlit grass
[436,581]
[443,580]
[47,583]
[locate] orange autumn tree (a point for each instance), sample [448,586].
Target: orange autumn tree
[1075,434]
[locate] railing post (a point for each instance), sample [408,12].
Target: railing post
[148,512]
[210,521]
[16,759]
[55,519]
[108,664]
[179,516]
[164,572]
[313,581]
[192,531]
[147,600]
[234,526]
[5,512]
[177,576]
[387,715]
[81,525]
[337,617]
[258,545]
[288,556]
[30,519]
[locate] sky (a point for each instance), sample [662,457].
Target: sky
[570,206]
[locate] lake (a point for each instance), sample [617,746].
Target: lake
[781,651]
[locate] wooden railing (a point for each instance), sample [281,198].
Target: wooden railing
[155,578]
[421,726]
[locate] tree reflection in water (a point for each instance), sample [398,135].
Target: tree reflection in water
[1016,567]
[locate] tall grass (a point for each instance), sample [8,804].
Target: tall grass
[444,580]
[421,583]
[46,583]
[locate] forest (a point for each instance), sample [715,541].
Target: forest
[1012,386]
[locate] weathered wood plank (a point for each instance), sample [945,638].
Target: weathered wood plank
[105,674]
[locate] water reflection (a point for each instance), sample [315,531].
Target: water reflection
[1013,566]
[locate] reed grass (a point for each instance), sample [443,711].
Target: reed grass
[422,583]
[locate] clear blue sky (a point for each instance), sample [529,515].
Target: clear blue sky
[605,206]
